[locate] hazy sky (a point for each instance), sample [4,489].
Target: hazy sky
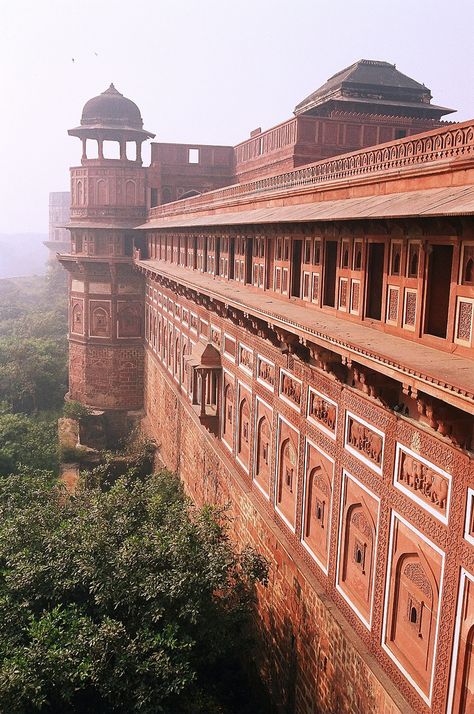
[204,71]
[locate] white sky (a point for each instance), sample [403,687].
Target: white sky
[204,71]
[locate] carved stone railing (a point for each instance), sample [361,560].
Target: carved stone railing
[441,144]
[122,213]
[266,142]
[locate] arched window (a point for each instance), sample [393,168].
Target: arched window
[79,193]
[244,430]
[263,447]
[170,348]
[176,357]
[101,192]
[287,479]
[77,322]
[130,193]
[100,322]
[228,413]
[128,322]
[469,271]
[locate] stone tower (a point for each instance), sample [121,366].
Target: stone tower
[105,294]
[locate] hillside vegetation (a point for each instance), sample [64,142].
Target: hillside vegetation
[22,254]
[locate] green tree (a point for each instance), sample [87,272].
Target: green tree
[33,373]
[125,600]
[27,442]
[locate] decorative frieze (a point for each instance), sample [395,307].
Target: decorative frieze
[266,372]
[322,412]
[245,358]
[424,482]
[364,441]
[290,389]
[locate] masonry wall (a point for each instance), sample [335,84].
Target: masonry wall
[331,460]
[310,657]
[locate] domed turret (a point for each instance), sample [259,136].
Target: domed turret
[111,117]
[110,110]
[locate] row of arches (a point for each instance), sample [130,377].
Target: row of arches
[99,192]
[128,324]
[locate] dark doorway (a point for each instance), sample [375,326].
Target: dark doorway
[217,256]
[248,260]
[439,282]
[269,249]
[231,255]
[375,264]
[194,252]
[330,265]
[296,268]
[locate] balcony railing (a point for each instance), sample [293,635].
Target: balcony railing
[454,142]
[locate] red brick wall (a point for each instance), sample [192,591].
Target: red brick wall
[311,658]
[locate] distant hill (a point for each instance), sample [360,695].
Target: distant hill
[22,254]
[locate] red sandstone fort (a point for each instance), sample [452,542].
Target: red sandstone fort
[291,319]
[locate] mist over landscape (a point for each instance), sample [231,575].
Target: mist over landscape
[22,254]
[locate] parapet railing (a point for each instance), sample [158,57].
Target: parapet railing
[440,144]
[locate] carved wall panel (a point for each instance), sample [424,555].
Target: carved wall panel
[409,312]
[427,484]
[393,294]
[245,358]
[228,407]
[469,522]
[230,348]
[286,471]
[263,445]
[413,594]
[216,337]
[358,530]
[243,427]
[461,694]
[129,319]
[290,389]
[99,318]
[355,297]
[463,329]
[266,372]
[322,412]
[364,441]
[77,316]
[317,508]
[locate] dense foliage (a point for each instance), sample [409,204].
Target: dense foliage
[119,600]
[33,369]
[27,442]
[33,345]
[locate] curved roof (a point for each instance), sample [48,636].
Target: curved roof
[110,112]
[111,109]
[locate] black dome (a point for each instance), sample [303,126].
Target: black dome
[111,110]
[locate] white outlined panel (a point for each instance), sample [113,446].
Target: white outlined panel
[412,493]
[258,401]
[229,340]
[245,358]
[290,389]
[345,476]
[319,403]
[310,444]
[372,464]
[281,419]
[396,516]
[464,578]
[266,368]
[469,522]
[231,382]
[242,391]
